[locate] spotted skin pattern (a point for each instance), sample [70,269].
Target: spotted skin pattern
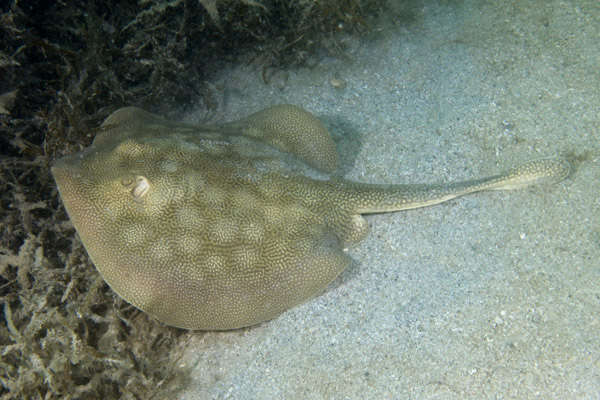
[225,226]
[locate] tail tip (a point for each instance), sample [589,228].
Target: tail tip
[542,171]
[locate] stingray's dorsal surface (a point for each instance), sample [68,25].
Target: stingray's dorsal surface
[286,127]
[291,129]
[207,227]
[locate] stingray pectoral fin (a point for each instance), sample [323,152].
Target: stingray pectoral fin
[291,129]
[387,198]
[134,122]
[293,268]
[317,259]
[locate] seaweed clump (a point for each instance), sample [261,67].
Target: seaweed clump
[64,66]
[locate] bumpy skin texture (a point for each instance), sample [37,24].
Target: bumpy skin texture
[219,227]
[292,129]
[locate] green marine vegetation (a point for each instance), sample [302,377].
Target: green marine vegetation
[221,227]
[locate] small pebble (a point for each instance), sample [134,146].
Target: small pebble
[337,83]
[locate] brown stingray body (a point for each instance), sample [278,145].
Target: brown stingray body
[221,227]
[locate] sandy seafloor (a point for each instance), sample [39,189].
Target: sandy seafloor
[490,296]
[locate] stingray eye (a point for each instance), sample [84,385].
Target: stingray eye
[139,186]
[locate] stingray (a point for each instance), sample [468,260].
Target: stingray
[217,227]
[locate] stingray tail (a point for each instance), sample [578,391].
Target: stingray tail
[387,198]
